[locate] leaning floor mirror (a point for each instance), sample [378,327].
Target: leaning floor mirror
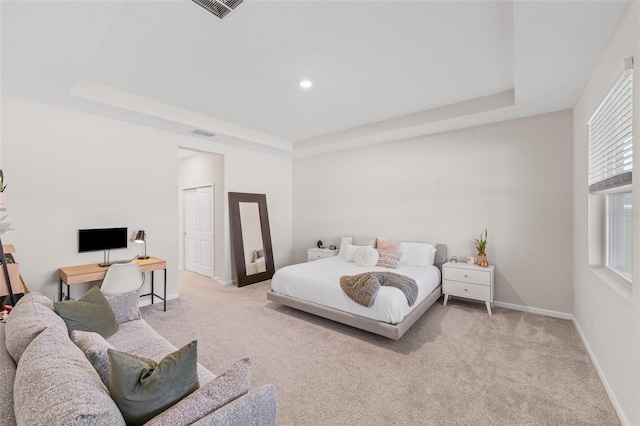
[251,237]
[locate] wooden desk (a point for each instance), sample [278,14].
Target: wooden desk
[84,273]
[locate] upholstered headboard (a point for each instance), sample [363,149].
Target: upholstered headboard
[441,255]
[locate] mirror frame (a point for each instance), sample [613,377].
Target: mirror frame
[235,198]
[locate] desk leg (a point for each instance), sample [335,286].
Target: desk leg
[153,290]
[60,290]
[68,292]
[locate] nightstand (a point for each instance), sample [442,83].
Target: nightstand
[469,281]
[320,253]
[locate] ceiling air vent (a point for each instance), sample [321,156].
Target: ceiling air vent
[220,8]
[203,133]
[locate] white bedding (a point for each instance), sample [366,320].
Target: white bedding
[319,282]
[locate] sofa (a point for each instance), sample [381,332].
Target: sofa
[49,379]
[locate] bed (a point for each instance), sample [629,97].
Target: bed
[314,287]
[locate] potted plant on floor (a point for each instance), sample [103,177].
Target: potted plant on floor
[481,245]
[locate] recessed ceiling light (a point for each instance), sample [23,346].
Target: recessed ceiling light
[305,84]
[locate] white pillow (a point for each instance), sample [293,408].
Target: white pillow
[351,252]
[366,256]
[343,246]
[417,254]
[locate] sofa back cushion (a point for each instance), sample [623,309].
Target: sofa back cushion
[8,374]
[32,314]
[56,385]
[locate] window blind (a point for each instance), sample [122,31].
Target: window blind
[610,138]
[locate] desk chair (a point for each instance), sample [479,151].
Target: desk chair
[122,278]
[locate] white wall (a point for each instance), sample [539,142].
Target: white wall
[200,170]
[607,316]
[70,170]
[513,178]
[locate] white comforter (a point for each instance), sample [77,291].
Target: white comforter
[319,282]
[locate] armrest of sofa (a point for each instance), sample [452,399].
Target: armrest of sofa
[256,408]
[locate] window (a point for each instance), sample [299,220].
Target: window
[619,234]
[610,167]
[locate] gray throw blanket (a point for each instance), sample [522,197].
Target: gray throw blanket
[363,288]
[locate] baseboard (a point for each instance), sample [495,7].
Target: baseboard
[603,379]
[146,301]
[547,312]
[232,282]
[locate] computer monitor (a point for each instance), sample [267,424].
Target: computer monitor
[106,239]
[101,239]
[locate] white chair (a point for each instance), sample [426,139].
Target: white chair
[122,278]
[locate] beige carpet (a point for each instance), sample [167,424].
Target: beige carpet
[456,365]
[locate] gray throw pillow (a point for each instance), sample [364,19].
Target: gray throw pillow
[143,388]
[95,349]
[89,313]
[231,384]
[125,306]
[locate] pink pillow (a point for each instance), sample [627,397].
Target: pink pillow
[389,258]
[383,244]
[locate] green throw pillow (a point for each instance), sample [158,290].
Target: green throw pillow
[143,388]
[91,312]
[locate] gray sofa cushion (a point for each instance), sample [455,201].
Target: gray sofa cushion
[95,349]
[125,306]
[32,314]
[257,408]
[231,384]
[7,375]
[137,337]
[56,385]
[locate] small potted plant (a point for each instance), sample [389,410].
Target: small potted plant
[3,196]
[481,245]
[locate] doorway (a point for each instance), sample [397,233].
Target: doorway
[198,208]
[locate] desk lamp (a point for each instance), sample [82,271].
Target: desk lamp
[141,237]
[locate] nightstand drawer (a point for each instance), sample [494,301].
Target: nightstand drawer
[312,255]
[468,276]
[316,254]
[471,291]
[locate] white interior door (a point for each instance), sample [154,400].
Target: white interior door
[198,230]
